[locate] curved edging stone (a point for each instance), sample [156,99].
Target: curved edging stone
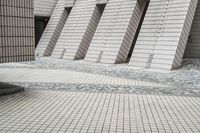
[6,89]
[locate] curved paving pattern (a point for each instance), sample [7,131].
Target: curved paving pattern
[185,81]
[65,76]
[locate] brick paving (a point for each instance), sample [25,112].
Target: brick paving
[72,112]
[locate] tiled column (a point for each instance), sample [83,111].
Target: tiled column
[16,30]
[69,3]
[44,7]
[101,1]
[193,45]
[78,30]
[164,33]
[53,30]
[116,30]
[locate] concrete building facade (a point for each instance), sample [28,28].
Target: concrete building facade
[147,34]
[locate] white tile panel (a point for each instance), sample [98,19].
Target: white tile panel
[164,34]
[78,30]
[112,41]
[44,7]
[53,30]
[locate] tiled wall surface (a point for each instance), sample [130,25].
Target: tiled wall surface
[16,30]
[101,1]
[116,30]
[69,3]
[164,33]
[193,45]
[161,43]
[78,30]
[53,30]
[44,7]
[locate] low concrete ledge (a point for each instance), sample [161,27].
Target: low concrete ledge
[6,89]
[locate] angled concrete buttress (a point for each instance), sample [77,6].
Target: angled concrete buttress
[78,31]
[44,7]
[116,30]
[69,3]
[101,1]
[164,34]
[54,28]
[193,45]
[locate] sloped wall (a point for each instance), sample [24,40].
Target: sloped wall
[163,36]
[116,30]
[52,31]
[44,7]
[78,30]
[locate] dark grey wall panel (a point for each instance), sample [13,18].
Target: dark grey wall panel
[193,45]
[16,30]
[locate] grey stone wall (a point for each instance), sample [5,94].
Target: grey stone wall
[16,30]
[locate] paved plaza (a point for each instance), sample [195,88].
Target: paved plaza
[77,96]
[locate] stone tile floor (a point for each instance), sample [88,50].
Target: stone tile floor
[92,112]
[65,96]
